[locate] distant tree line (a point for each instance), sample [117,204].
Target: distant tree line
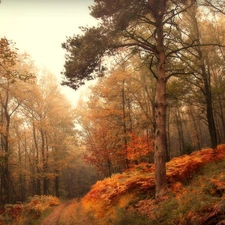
[39,152]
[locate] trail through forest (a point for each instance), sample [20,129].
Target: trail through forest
[54,217]
[68,213]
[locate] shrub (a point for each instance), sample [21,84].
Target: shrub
[38,204]
[127,218]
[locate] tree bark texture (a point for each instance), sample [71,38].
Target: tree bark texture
[160,119]
[209,107]
[160,139]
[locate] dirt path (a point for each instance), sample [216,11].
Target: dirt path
[69,213]
[54,217]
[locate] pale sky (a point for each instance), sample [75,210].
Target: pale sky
[39,27]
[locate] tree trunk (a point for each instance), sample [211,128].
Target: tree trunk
[6,172]
[45,166]
[196,132]
[160,139]
[180,131]
[160,110]
[209,107]
[57,184]
[44,163]
[160,121]
[124,125]
[221,116]
[169,152]
[206,78]
[37,175]
[109,168]
[22,187]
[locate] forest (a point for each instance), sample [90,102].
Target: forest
[39,143]
[159,93]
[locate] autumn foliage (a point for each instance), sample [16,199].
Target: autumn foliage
[138,147]
[121,190]
[32,210]
[195,196]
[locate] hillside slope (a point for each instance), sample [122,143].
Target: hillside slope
[196,195]
[133,190]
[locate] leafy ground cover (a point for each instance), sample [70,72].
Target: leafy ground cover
[28,213]
[132,193]
[196,195]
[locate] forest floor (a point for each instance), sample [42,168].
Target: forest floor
[68,213]
[196,195]
[54,217]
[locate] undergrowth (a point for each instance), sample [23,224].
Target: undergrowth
[30,213]
[201,201]
[196,196]
[127,218]
[196,193]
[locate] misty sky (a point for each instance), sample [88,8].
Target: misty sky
[38,27]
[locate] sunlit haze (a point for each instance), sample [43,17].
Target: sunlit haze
[39,27]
